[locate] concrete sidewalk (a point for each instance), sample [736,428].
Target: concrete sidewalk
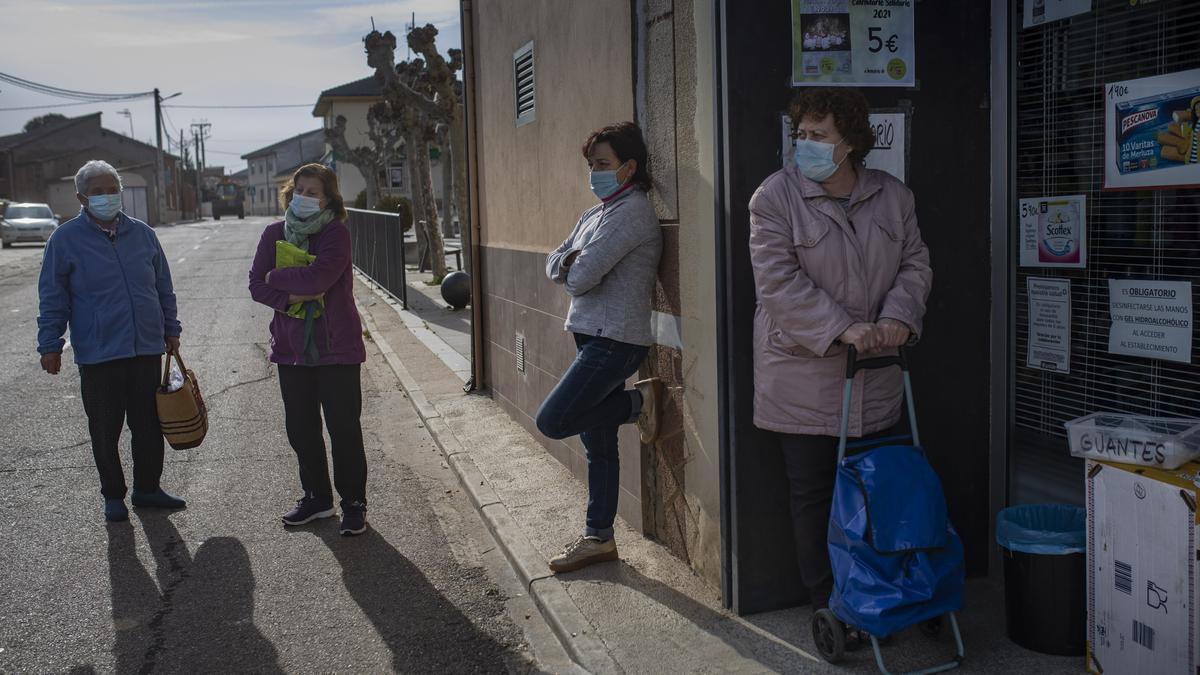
[648,612]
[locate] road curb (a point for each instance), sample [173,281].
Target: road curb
[570,626]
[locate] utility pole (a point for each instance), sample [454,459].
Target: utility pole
[179,178]
[160,193]
[160,198]
[198,130]
[196,153]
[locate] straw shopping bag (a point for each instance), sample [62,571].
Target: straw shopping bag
[181,413]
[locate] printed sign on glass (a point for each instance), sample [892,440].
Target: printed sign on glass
[1151,318]
[865,43]
[1049,324]
[1152,132]
[1038,12]
[1054,232]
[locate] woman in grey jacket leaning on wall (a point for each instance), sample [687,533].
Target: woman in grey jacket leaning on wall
[608,265]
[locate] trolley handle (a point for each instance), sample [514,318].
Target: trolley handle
[854,364]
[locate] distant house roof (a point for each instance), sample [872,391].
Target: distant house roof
[271,148]
[366,88]
[13,141]
[48,129]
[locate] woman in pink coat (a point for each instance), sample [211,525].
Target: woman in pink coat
[838,260]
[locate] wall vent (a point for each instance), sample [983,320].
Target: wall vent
[520,349]
[524,86]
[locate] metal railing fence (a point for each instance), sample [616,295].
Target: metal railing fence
[378,245]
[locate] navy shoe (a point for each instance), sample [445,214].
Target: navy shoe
[115,511]
[354,518]
[157,499]
[307,509]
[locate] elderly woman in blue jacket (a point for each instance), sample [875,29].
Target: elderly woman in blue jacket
[104,274]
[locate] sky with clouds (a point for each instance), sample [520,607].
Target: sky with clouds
[216,52]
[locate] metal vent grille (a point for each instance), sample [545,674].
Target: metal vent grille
[520,350]
[1061,70]
[524,85]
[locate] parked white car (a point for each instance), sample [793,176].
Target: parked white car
[26,222]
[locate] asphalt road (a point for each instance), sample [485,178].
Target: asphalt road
[222,586]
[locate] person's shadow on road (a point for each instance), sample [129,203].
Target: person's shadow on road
[425,632]
[198,617]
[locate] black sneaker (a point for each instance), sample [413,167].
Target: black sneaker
[308,509]
[354,518]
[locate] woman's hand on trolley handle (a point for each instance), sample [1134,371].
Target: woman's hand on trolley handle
[864,337]
[894,333]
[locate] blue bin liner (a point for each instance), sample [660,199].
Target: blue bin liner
[1043,529]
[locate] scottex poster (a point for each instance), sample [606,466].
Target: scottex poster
[1152,132]
[865,43]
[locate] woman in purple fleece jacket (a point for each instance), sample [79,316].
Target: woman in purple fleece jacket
[328,380]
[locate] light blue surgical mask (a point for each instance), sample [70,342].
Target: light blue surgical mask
[815,159]
[104,207]
[604,183]
[304,207]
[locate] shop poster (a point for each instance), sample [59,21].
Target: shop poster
[1054,232]
[1152,319]
[1152,132]
[863,43]
[1038,12]
[1049,324]
[890,152]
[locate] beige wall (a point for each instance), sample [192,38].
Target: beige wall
[349,177]
[697,282]
[534,175]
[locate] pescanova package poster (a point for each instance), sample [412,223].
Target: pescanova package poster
[1152,132]
[868,43]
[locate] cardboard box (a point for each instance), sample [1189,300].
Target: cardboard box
[1142,569]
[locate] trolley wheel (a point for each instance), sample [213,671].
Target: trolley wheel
[829,634]
[933,627]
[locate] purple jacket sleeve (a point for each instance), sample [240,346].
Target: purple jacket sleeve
[333,255]
[264,261]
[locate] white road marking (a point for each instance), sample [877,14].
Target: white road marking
[196,247]
[180,260]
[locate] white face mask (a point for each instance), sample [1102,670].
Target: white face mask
[303,207]
[815,159]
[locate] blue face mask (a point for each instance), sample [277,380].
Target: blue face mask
[604,183]
[304,207]
[104,207]
[815,159]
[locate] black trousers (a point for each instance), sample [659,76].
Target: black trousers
[811,463]
[116,392]
[337,391]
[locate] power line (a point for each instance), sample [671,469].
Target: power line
[239,107]
[59,92]
[53,105]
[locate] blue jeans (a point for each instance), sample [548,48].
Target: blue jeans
[591,401]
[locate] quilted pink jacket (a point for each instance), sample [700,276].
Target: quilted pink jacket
[818,268]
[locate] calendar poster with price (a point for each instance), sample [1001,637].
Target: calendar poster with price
[865,43]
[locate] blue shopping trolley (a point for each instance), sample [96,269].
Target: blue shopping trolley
[897,561]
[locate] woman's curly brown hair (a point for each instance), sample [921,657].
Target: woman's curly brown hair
[851,115]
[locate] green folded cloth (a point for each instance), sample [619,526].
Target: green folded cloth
[290,255]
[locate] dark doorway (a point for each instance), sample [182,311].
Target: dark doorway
[949,172]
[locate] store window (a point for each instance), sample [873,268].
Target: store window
[1064,77]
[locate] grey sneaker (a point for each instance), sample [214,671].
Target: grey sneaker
[651,391]
[582,552]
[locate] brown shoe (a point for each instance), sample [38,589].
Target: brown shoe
[582,552]
[651,390]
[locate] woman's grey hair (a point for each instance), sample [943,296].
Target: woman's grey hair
[96,167]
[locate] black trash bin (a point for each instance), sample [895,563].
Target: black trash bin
[1045,576]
